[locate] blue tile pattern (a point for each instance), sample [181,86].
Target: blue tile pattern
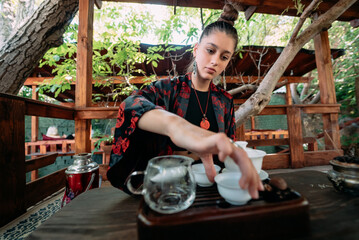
[26,226]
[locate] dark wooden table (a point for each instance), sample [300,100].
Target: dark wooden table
[108,213]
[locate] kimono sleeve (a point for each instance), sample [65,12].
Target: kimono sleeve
[132,108]
[231,132]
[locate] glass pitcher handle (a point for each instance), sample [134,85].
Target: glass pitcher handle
[137,191]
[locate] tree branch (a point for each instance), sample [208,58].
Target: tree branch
[294,92]
[307,11]
[315,99]
[242,89]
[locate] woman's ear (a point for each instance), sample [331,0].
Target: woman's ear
[195,48]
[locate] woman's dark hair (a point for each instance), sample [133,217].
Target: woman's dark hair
[224,24]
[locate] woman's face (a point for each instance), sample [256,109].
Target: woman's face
[213,54]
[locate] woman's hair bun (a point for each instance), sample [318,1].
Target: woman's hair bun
[229,14]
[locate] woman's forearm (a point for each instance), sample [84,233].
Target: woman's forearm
[181,132]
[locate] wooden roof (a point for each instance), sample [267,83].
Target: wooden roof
[275,7]
[244,64]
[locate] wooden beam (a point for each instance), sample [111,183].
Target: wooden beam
[140,80]
[84,73]
[275,161]
[12,159]
[325,69]
[96,113]
[319,108]
[317,158]
[268,142]
[39,162]
[43,187]
[327,89]
[42,109]
[266,6]
[34,119]
[288,95]
[295,137]
[249,12]
[111,112]
[274,110]
[34,131]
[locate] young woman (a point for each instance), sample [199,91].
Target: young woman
[187,114]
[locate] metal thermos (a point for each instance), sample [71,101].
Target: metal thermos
[81,176]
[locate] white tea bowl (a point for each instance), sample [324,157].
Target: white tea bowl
[229,189]
[255,155]
[200,175]
[242,144]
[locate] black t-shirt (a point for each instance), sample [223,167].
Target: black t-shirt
[194,114]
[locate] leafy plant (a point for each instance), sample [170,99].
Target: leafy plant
[106,140]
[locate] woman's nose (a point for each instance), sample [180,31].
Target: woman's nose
[215,60]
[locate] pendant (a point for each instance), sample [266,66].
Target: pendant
[204,123]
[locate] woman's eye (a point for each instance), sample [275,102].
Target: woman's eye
[225,58]
[210,50]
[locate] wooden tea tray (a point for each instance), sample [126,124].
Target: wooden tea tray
[211,217]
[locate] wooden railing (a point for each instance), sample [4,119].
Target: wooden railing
[61,147]
[16,194]
[40,188]
[295,156]
[265,134]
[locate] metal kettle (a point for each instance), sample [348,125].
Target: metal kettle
[81,176]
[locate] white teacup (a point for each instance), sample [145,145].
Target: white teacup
[229,189]
[242,144]
[255,155]
[201,176]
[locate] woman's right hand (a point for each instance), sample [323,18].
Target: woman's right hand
[220,144]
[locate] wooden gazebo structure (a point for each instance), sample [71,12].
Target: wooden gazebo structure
[17,196]
[329,107]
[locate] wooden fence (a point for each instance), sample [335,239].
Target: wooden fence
[16,194]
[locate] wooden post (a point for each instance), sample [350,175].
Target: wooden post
[288,95]
[12,159]
[253,123]
[84,74]
[327,89]
[34,133]
[295,137]
[240,133]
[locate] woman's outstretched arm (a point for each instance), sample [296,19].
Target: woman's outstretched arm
[202,142]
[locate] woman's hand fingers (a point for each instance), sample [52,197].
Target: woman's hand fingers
[220,144]
[207,160]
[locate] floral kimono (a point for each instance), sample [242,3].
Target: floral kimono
[133,147]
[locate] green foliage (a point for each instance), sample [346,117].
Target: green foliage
[119,28]
[64,68]
[106,140]
[346,68]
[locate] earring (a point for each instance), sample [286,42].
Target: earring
[194,66]
[217,80]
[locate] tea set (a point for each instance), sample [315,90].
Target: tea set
[170,181]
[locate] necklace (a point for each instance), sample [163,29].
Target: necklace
[204,123]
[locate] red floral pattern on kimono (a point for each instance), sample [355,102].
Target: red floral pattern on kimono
[133,147]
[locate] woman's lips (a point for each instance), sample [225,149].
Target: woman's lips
[211,70]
